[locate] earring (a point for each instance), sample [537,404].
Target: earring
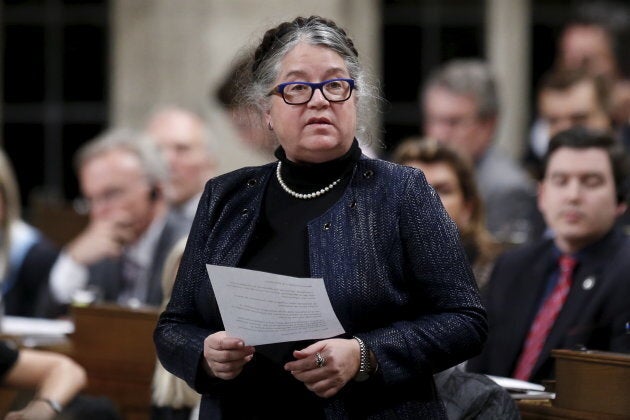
[269,126]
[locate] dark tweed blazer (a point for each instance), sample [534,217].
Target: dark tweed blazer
[395,273]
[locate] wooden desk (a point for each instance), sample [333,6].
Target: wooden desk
[590,385]
[545,410]
[594,381]
[115,346]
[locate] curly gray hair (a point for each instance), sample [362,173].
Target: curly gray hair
[314,30]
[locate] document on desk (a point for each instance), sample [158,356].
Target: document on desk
[265,308]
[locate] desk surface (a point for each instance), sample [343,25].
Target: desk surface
[115,346]
[544,410]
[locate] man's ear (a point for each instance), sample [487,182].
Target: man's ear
[621,208]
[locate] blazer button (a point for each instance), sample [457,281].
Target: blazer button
[252,182]
[244,212]
[326,225]
[368,174]
[353,204]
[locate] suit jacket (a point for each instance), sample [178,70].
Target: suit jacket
[594,314]
[509,197]
[106,274]
[468,395]
[394,270]
[25,287]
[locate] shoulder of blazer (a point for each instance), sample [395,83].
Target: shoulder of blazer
[388,174]
[238,184]
[243,174]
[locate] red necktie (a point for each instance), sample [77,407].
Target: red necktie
[545,319]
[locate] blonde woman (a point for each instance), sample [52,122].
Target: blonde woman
[26,256]
[172,398]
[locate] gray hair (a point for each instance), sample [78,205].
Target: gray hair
[314,30]
[208,135]
[135,142]
[468,77]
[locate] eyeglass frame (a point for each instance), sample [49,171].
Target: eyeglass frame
[314,86]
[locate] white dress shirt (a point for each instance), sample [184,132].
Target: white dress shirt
[68,277]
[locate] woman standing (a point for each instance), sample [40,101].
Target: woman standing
[394,270]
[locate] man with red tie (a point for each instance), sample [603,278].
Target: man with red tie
[571,289]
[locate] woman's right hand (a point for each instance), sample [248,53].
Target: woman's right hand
[225,356]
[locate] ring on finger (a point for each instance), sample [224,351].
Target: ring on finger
[320,361]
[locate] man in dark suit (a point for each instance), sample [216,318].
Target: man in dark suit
[459,104]
[119,256]
[186,144]
[533,306]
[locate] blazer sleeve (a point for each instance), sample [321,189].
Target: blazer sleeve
[179,335]
[447,324]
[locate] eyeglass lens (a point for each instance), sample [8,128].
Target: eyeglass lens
[300,93]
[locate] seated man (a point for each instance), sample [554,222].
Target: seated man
[460,107]
[121,252]
[570,290]
[185,141]
[566,99]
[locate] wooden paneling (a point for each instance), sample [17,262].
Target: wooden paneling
[115,346]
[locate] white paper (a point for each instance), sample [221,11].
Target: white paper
[20,326]
[512,384]
[265,308]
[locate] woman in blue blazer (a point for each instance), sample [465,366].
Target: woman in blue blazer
[390,257]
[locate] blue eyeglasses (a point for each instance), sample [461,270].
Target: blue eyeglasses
[298,93]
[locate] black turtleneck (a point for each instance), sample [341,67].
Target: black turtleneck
[279,243]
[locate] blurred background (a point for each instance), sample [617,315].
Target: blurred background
[71,68]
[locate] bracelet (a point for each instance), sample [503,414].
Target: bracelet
[52,403]
[365,367]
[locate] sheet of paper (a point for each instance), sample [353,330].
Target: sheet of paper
[264,308]
[20,326]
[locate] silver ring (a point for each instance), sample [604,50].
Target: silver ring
[320,361]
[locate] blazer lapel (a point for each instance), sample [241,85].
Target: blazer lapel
[241,215]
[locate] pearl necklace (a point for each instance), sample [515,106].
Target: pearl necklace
[308,196]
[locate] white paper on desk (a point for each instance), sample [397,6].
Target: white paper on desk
[20,326]
[265,308]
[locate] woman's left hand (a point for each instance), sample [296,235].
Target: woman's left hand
[341,363]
